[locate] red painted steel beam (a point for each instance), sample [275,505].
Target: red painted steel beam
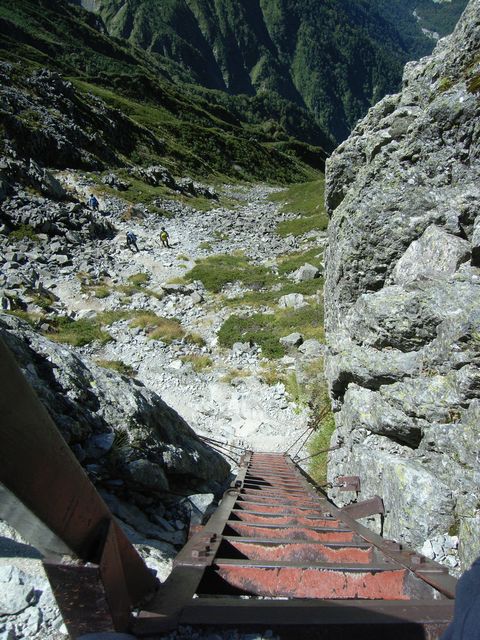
[256,498]
[273,507]
[304,552]
[294,533]
[302,582]
[278,520]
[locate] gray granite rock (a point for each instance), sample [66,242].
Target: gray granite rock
[148,475]
[292,300]
[15,595]
[305,272]
[402,299]
[126,430]
[476,243]
[311,348]
[292,340]
[435,252]
[368,367]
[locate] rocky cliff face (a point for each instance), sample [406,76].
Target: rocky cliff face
[403,300]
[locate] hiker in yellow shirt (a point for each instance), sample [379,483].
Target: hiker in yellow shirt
[164,238]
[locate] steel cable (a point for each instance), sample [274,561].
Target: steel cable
[300,436]
[318,453]
[309,435]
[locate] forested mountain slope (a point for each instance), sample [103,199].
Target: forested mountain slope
[124,107]
[336,57]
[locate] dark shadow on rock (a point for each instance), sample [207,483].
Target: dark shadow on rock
[12,549]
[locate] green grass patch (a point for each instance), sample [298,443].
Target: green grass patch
[235,374]
[101,292]
[44,300]
[301,225]
[304,198]
[92,285]
[271,297]
[445,84]
[216,271]
[292,261]
[198,362]
[271,374]
[473,84]
[157,327]
[281,285]
[265,330]
[136,283]
[23,232]
[77,332]
[139,279]
[307,201]
[320,442]
[321,420]
[118,366]
[109,317]
[195,338]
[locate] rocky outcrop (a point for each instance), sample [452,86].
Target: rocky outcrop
[127,438]
[45,118]
[403,299]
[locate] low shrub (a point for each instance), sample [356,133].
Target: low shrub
[265,330]
[199,362]
[157,327]
[77,332]
[24,231]
[118,366]
[218,270]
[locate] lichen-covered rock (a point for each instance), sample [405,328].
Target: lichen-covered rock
[417,504]
[292,300]
[369,367]
[435,252]
[402,298]
[305,272]
[292,340]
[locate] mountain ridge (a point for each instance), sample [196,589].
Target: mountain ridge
[168,121]
[335,58]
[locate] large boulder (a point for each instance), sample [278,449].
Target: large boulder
[305,272]
[292,300]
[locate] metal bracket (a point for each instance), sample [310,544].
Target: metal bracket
[199,550]
[348,483]
[98,588]
[365,508]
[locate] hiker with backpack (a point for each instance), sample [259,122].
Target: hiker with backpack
[93,202]
[132,241]
[164,238]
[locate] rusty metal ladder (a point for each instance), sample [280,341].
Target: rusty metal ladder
[277,554]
